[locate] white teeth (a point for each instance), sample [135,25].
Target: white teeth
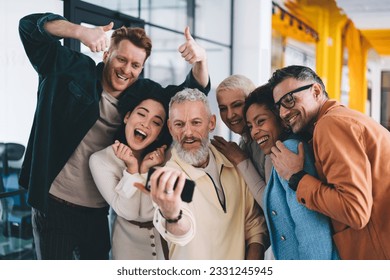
[262,140]
[140,132]
[189,141]
[121,77]
[291,119]
[234,122]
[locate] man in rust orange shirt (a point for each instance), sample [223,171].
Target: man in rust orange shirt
[352,154]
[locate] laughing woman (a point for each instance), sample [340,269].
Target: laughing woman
[140,144]
[295,231]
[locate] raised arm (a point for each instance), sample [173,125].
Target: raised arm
[195,54]
[41,34]
[94,38]
[256,184]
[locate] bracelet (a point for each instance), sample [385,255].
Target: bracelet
[172,221]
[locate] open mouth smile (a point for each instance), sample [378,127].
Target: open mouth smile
[122,77]
[262,140]
[140,134]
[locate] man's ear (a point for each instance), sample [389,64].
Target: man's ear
[212,122]
[105,56]
[317,90]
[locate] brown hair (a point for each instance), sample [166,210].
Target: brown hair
[135,35]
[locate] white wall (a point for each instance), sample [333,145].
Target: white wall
[252,41]
[18,79]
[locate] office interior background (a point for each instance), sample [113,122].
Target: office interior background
[346,41]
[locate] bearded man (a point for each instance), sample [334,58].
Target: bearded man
[222,221]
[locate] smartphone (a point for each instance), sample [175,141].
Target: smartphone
[186,194]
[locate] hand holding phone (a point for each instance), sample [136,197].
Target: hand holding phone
[188,189]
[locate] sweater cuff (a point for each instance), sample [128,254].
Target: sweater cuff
[256,239]
[48,17]
[190,80]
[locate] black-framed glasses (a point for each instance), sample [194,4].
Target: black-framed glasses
[287,100]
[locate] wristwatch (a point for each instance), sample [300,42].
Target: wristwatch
[295,178]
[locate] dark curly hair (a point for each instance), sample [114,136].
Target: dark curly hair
[261,95]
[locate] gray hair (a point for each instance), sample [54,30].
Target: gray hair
[190,94]
[237,82]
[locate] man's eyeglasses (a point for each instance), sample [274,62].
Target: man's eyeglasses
[287,100]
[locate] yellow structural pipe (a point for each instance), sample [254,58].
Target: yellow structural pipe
[329,23]
[357,64]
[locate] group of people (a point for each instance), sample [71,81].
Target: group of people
[309,179]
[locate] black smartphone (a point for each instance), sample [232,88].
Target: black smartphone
[186,194]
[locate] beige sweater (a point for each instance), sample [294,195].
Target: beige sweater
[216,233]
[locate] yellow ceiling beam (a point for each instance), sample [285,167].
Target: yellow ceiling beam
[288,27]
[379,40]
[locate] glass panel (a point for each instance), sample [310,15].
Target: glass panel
[344,94]
[385,99]
[124,6]
[16,240]
[210,22]
[170,14]
[295,56]
[15,215]
[165,65]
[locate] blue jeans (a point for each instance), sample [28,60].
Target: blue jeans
[67,232]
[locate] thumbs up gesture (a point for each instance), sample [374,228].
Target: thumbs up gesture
[191,51]
[95,38]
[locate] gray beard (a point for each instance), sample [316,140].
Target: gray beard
[197,158]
